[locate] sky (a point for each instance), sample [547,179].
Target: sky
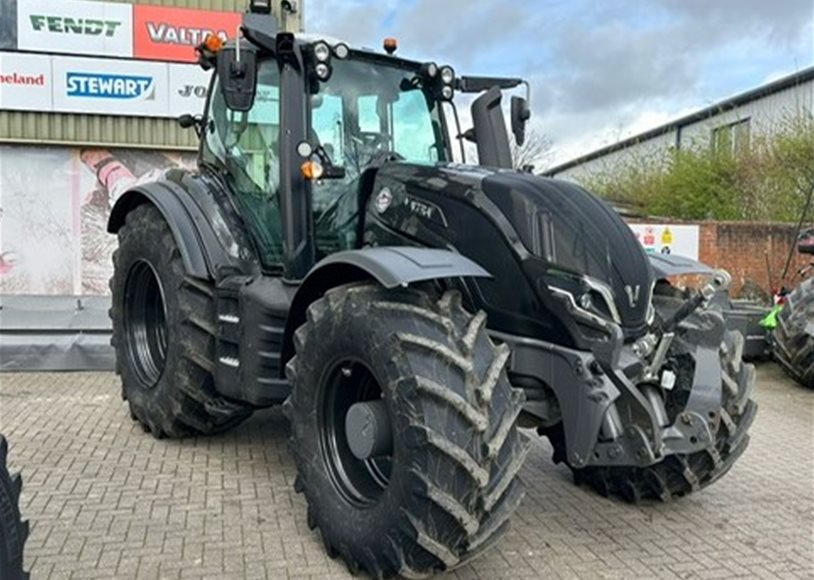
[600,70]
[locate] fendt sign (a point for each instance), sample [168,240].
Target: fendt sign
[75,27]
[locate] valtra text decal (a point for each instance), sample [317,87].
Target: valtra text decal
[179,35]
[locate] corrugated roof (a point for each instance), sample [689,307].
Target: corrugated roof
[729,104]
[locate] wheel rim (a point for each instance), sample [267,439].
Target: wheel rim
[360,482]
[145,323]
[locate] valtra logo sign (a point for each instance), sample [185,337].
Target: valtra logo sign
[110,86]
[173,33]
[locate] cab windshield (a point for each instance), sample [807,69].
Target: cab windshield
[367,108]
[366,111]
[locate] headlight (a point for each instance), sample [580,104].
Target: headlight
[447,93]
[447,75]
[589,295]
[322,52]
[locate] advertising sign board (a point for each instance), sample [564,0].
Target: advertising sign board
[75,27]
[112,87]
[188,87]
[172,34]
[25,82]
[669,239]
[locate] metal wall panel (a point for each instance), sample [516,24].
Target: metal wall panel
[90,130]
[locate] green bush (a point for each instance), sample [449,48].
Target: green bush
[768,181]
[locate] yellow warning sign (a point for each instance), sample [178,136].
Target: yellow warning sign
[667,237]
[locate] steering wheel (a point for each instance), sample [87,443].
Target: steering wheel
[373,140]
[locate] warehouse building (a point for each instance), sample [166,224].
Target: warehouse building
[732,123]
[90,93]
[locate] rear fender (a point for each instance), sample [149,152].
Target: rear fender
[210,249]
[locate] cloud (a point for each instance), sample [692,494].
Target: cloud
[596,67]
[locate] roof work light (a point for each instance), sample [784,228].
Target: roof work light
[260,6]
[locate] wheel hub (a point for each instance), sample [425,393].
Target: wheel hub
[367,427]
[355,433]
[145,323]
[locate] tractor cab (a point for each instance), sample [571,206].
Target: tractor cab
[296,122]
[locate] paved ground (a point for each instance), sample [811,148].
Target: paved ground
[108,501]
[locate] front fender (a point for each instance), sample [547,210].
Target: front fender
[402,266]
[389,266]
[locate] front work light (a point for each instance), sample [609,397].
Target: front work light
[342,51]
[429,70]
[447,75]
[323,71]
[322,52]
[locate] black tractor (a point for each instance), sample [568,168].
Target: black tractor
[408,312]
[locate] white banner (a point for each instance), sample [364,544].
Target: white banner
[25,82]
[75,26]
[669,239]
[111,87]
[188,87]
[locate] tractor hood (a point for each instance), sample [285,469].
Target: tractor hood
[576,232]
[565,241]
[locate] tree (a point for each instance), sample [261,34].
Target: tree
[536,151]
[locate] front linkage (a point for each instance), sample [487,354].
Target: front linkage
[662,417]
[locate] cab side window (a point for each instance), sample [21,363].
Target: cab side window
[247,147]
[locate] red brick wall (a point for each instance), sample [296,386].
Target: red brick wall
[742,248]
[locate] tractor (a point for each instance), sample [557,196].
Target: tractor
[792,322]
[413,316]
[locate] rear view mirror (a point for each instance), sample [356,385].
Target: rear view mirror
[237,71]
[490,133]
[521,113]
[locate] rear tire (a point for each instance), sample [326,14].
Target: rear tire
[679,475]
[792,343]
[13,531]
[449,486]
[164,334]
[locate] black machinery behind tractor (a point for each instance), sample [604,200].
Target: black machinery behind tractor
[793,336]
[13,531]
[408,312]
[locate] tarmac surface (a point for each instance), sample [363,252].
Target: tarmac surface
[106,500]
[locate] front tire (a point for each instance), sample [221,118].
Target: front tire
[448,485]
[164,334]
